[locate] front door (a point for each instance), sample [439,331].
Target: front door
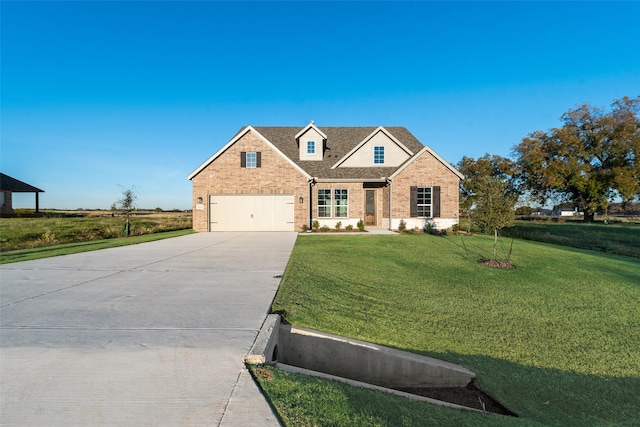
[370,208]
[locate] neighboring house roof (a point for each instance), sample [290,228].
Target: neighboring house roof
[340,143]
[8,183]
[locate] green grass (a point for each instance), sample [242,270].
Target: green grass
[73,248]
[63,227]
[618,238]
[555,339]
[308,401]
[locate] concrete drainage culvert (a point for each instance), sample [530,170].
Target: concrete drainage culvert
[363,364]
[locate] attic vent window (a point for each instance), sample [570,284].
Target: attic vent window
[378,155]
[311,147]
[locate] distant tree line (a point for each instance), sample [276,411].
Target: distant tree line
[587,163]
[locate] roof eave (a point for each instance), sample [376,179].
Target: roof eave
[309,126]
[435,155]
[234,140]
[350,180]
[364,141]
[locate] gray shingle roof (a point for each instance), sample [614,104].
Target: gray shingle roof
[340,141]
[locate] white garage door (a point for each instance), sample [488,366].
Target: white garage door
[251,212]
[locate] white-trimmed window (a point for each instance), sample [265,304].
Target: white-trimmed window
[378,155]
[424,202]
[311,147]
[250,159]
[341,203]
[324,203]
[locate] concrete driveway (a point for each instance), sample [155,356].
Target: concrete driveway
[145,335]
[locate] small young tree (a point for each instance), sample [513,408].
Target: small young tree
[489,193]
[126,204]
[495,207]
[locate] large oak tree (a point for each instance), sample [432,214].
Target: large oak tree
[591,159]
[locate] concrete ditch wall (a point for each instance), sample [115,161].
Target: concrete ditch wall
[353,359]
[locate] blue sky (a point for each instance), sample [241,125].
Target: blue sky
[100,94]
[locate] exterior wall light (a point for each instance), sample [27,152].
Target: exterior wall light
[301,200]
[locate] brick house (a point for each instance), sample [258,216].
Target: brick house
[282,178]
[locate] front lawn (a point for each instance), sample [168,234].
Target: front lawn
[555,339]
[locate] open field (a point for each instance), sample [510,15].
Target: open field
[555,339]
[622,238]
[61,227]
[78,247]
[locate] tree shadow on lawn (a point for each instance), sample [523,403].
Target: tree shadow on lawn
[553,396]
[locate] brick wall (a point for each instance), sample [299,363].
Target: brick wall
[225,176]
[426,171]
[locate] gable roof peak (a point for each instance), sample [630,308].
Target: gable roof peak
[368,138]
[239,135]
[311,124]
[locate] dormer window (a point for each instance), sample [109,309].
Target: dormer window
[378,155]
[311,142]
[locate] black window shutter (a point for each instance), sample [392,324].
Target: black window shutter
[436,201]
[413,202]
[258,159]
[243,159]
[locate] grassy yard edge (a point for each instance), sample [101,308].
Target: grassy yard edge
[78,247]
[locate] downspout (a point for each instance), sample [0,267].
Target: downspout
[311,183]
[390,204]
[208,211]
